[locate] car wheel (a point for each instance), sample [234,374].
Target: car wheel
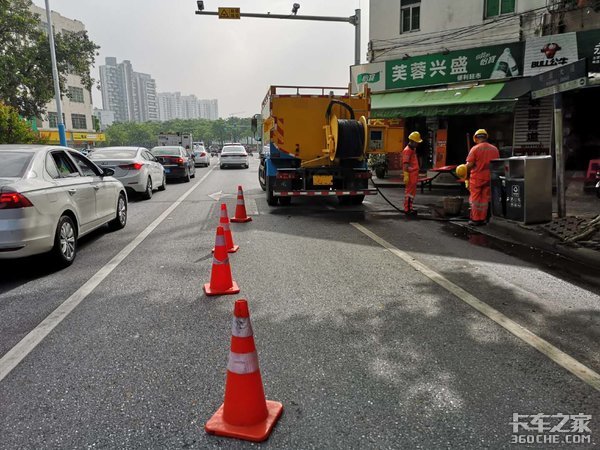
[221,166]
[120,219]
[147,194]
[65,242]
[163,186]
[261,176]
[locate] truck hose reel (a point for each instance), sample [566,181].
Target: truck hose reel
[348,136]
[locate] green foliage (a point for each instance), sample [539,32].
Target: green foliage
[25,67]
[234,129]
[377,160]
[13,128]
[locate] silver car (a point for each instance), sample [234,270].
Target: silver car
[135,167]
[201,156]
[233,155]
[51,196]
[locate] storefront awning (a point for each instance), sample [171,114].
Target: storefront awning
[514,89]
[441,102]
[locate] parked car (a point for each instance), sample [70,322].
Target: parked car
[135,167]
[52,196]
[233,155]
[178,163]
[201,156]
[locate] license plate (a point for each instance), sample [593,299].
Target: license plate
[167,170]
[323,180]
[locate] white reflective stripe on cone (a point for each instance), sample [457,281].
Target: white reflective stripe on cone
[216,262]
[220,241]
[225,226]
[243,363]
[241,327]
[240,202]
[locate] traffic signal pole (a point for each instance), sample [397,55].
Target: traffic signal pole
[353,20]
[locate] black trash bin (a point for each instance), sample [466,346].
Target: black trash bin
[498,169]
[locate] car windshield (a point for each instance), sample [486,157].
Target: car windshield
[234,149]
[14,164]
[113,154]
[168,151]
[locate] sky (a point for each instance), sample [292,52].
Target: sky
[234,61]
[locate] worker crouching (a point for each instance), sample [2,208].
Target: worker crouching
[478,167]
[410,167]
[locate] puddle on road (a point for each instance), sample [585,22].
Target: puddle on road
[553,263]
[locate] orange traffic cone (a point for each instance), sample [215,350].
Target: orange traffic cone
[224,222]
[245,414]
[221,282]
[240,208]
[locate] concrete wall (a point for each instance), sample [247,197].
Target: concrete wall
[448,24]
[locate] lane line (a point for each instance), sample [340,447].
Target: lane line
[16,354]
[558,356]
[251,207]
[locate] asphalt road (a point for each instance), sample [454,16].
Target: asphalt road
[363,350]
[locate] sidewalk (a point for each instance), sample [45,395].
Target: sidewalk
[576,237]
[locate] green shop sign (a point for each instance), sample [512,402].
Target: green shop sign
[368,77]
[482,63]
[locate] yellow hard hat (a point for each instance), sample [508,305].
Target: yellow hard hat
[415,136]
[480,132]
[461,171]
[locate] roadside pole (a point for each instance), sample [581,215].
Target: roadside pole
[559,156]
[61,126]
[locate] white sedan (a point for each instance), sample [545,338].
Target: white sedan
[50,197]
[233,155]
[201,156]
[135,167]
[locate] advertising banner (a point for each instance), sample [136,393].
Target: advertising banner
[371,74]
[588,46]
[549,52]
[473,64]
[440,148]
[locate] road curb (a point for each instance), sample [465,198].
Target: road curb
[513,232]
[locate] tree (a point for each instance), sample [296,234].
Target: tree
[25,67]
[13,128]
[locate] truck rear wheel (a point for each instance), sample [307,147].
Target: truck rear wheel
[271,199]
[262,175]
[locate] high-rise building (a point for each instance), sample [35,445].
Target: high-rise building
[209,109]
[76,99]
[173,105]
[131,95]
[105,118]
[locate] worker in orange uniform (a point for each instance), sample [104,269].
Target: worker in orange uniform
[410,167]
[478,167]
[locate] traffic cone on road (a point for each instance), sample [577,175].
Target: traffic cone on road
[224,222]
[245,413]
[240,208]
[221,282]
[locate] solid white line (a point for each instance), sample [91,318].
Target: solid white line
[16,354]
[561,358]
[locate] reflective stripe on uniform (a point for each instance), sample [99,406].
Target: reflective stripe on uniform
[242,363]
[241,327]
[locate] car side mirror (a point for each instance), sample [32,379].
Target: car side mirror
[108,172]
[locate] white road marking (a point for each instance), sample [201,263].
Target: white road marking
[16,354]
[216,196]
[558,356]
[251,208]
